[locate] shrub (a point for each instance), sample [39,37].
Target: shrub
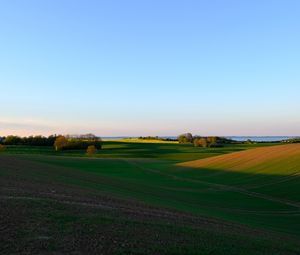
[60,143]
[91,150]
[2,147]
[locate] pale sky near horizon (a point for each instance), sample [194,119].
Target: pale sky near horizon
[152,67]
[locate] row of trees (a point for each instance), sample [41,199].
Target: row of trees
[149,138]
[208,142]
[204,141]
[156,138]
[292,140]
[68,142]
[30,140]
[2,147]
[80,143]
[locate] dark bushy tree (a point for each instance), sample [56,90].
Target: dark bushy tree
[13,140]
[78,142]
[211,141]
[60,143]
[185,138]
[30,140]
[91,150]
[2,147]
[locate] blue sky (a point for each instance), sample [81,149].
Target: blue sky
[152,67]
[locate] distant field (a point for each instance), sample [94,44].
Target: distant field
[116,149]
[272,171]
[282,157]
[136,140]
[240,199]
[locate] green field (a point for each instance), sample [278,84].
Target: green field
[122,149]
[262,198]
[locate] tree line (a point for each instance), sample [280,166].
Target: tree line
[292,140]
[156,138]
[60,142]
[77,143]
[29,140]
[204,141]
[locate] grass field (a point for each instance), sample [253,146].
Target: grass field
[150,198]
[158,150]
[138,140]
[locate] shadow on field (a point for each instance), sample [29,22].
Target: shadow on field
[118,206]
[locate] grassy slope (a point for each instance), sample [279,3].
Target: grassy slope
[210,192]
[273,171]
[162,184]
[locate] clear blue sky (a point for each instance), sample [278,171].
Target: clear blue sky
[150,67]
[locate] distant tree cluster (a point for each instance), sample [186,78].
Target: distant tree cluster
[292,140]
[84,137]
[91,150]
[68,142]
[60,143]
[2,147]
[30,140]
[204,141]
[81,142]
[209,142]
[156,138]
[149,138]
[185,138]
[249,141]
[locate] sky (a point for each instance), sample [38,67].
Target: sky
[151,67]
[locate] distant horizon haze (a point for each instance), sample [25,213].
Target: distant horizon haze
[107,133]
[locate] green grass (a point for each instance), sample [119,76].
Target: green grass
[117,149]
[148,173]
[137,140]
[192,191]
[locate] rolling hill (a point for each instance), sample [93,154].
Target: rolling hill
[285,158]
[243,202]
[273,171]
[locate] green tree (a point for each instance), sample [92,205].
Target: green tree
[60,143]
[203,142]
[185,138]
[212,141]
[2,147]
[13,140]
[196,142]
[91,150]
